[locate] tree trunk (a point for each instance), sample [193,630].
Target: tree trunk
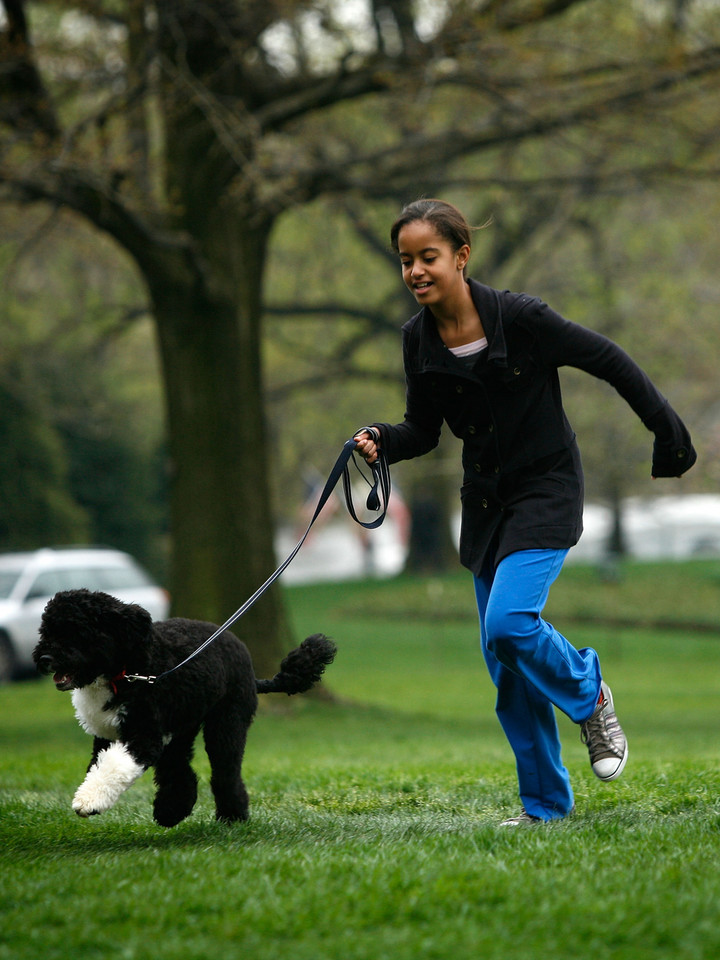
[616,545]
[431,549]
[221,515]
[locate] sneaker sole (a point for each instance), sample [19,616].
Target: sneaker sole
[521,824]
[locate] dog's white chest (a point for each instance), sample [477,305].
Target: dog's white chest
[89,703]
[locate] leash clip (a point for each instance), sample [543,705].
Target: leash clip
[132,677]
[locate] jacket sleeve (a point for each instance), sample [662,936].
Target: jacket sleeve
[673,452]
[417,434]
[420,430]
[564,343]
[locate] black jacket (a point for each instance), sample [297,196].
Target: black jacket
[523,485]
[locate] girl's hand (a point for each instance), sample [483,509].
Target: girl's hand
[366,446]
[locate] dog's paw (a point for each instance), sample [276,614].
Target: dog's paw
[92,798]
[108,778]
[81,807]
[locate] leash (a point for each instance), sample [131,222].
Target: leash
[377,499]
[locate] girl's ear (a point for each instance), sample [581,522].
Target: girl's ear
[462,256]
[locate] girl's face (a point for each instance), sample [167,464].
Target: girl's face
[431,268]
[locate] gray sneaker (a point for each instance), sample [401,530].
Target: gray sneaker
[523,819]
[603,736]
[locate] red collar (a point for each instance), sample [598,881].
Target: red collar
[116,680]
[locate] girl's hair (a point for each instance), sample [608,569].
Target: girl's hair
[447,220]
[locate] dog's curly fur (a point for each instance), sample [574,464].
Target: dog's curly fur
[91,641]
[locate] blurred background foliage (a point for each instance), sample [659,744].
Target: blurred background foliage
[81,421]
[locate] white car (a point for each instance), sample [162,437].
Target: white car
[28,580]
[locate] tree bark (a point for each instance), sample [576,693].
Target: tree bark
[431,548]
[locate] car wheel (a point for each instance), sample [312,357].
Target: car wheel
[7,659]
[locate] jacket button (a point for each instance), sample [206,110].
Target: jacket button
[497,470]
[517,371]
[477,468]
[471,430]
[681,454]
[484,503]
[491,428]
[459,388]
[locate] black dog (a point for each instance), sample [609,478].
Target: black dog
[91,642]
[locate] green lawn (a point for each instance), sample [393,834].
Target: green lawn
[374,832]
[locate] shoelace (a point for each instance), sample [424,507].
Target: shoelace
[600,732]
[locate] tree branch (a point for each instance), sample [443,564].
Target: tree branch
[65,185]
[283,391]
[382,174]
[512,16]
[297,98]
[377,319]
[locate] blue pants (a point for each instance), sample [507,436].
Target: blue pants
[534,669]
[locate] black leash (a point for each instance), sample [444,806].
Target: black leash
[377,500]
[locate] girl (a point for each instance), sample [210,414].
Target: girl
[486,362]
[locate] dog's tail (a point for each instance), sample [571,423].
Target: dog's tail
[302,668]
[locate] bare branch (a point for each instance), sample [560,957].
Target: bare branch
[391,166]
[375,318]
[616,182]
[511,16]
[63,184]
[365,374]
[299,98]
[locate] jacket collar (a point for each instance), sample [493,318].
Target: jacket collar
[488,305]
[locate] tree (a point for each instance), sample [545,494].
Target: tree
[185,128]
[38,509]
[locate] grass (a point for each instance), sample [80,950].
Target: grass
[374,833]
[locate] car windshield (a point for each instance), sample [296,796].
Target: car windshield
[120,578]
[107,578]
[8,579]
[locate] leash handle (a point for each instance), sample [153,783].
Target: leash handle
[378,498]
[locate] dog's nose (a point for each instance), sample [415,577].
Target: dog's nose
[46,665]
